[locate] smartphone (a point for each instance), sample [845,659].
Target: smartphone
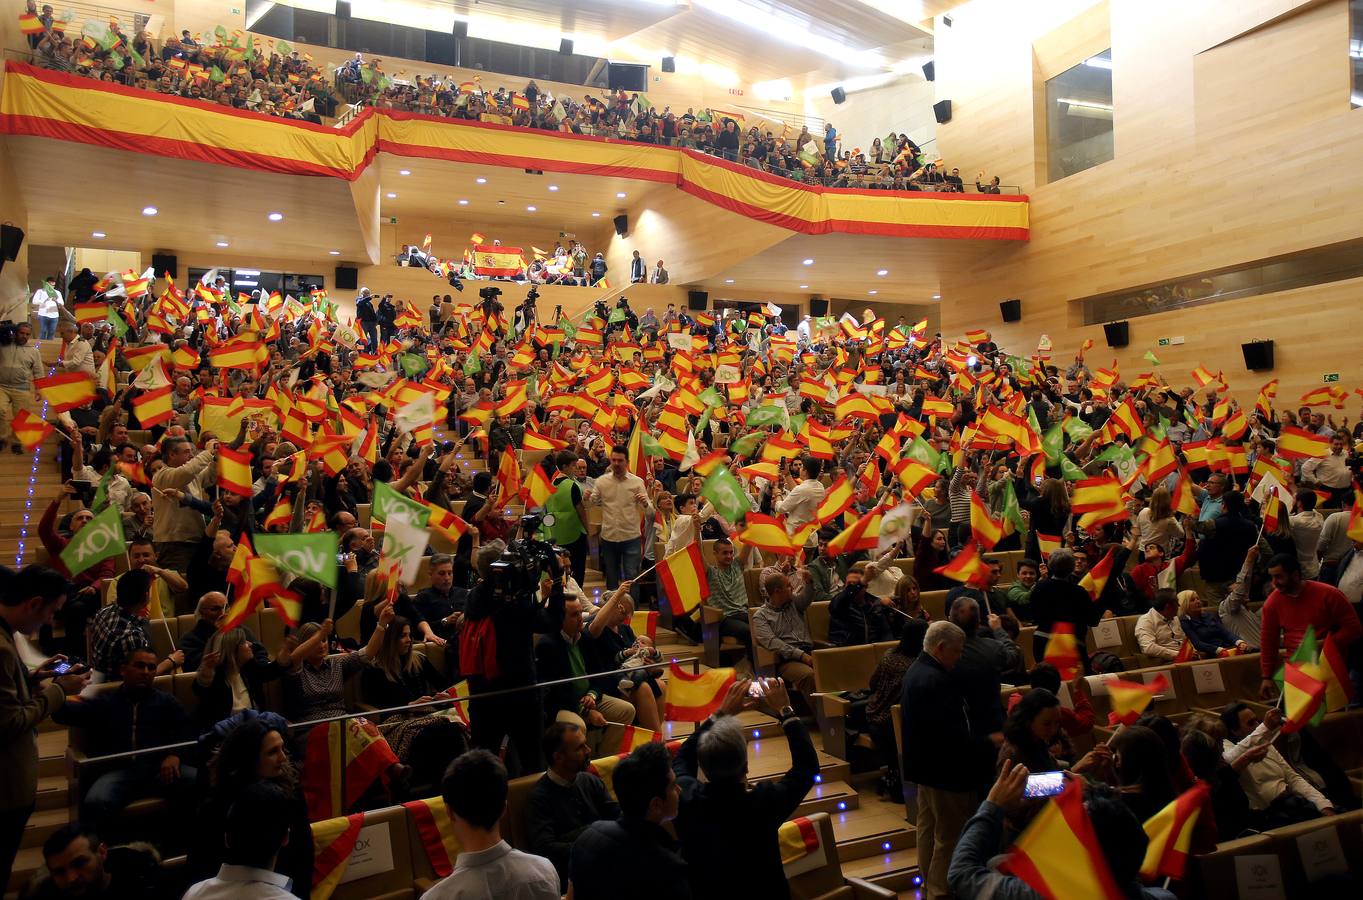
[758,689]
[62,667]
[1044,784]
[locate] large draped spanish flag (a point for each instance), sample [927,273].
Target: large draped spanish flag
[497,262]
[1059,855]
[353,745]
[333,840]
[435,832]
[692,698]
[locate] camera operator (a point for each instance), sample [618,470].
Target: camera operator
[19,366]
[526,313]
[496,645]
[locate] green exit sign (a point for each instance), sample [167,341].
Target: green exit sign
[1164,342]
[236,10]
[1331,376]
[392,220]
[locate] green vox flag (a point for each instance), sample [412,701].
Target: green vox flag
[768,414]
[1069,471]
[797,423]
[617,315]
[473,365]
[569,329]
[1150,355]
[745,445]
[102,492]
[305,555]
[284,48]
[1053,444]
[1012,512]
[1077,429]
[120,327]
[412,364]
[101,538]
[710,397]
[217,76]
[723,490]
[388,502]
[651,445]
[918,449]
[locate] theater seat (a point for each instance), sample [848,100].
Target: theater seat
[818,874]
[840,669]
[393,882]
[816,620]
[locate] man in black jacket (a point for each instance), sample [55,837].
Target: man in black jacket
[939,751]
[984,658]
[722,816]
[635,849]
[388,317]
[566,799]
[133,715]
[563,655]
[368,318]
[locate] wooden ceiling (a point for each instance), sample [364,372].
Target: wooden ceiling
[72,190]
[435,187]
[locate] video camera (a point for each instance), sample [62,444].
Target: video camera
[7,332]
[490,302]
[517,571]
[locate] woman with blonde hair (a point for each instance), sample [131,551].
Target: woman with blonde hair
[1156,523]
[1204,630]
[230,677]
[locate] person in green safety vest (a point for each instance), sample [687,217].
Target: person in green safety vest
[568,528]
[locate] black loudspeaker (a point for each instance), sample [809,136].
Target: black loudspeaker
[1258,355]
[697,300]
[942,111]
[930,70]
[1118,334]
[347,278]
[460,30]
[343,9]
[165,264]
[622,224]
[669,64]
[565,47]
[11,239]
[1011,310]
[818,306]
[838,94]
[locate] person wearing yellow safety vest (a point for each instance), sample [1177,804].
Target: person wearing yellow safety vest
[569,524]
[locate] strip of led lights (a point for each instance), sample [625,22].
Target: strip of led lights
[32,485]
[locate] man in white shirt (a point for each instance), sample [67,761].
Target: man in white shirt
[1350,580]
[257,828]
[1330,472]
[76,355]
[800,505]
[1276,791]
[1158,632]
[1306,527]
[623,499]
[474,791]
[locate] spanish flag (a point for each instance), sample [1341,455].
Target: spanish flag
[986,530]
[538,486]
[66,390]
[234,471]
[433,827]
[354,746]
[797,839]
[1095,579]
[1062,651]
[863,534]
[1184,500]
[1171,834]
[635,736]
[185,358]
[1295,443]
[692,698]
[282,513]
[1131,698]
[836,500]
[1058,855]
[497,262]
[30,24]
[977,336]
[682,576]
[967,566]
[1100,500]
[30,430]
[936,406]
[1302,696]
[508,479]
[333,840]
[154,407]
[767,533]
[915,476]
[140,357]
[91,312]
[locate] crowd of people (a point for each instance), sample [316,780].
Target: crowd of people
[236,70]
[777,448]
[569,263]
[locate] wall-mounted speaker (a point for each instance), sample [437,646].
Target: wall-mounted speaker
[1118,334]
[347,278]
[1258,355]
[165,264]
[343,9]
[565,47]
[838,94]
[460,29]
[1011,310]
[930,70]
[941,110]
[698,300]
[622,224]
[818,306]
[669,64]
[11,239]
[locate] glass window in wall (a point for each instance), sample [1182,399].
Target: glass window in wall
[1079,117]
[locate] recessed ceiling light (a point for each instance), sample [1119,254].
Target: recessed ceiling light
[596,215]
[391,196]
[809,262]
[480,180]
[149,210]
[871,292]
[96,234]
[883,272]
[463,203]
[404,171]
[937,296]
[530,209]
[334,252]
[728,281]
[222,243]
[275,217]
[804,287]
[553,187]
[620,195]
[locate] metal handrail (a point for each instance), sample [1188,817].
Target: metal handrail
[694,661]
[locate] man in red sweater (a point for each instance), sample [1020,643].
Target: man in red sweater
[1294,605]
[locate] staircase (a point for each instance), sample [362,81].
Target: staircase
[27,484]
